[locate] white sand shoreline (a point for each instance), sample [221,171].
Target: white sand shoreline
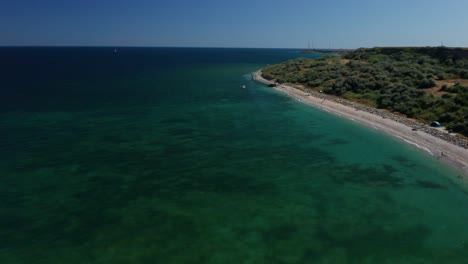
[454,155]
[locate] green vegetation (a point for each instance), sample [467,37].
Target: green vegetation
[422,83]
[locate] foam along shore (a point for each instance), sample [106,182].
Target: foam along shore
[434,142]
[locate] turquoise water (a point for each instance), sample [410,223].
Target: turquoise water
[159,156]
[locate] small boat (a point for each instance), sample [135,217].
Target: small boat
[243,86]
[115,50]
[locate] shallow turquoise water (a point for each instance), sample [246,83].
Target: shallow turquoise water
[159,156]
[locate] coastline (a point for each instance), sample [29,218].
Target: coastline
[432,141]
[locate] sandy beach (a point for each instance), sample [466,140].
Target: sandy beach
[444,150]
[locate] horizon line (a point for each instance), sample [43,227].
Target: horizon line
[210,47]
[136,46]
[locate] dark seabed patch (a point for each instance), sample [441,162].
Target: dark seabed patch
[402,160]
[389,168]
[337,141]
[430,185]
[281,232]
[171,121]
[371,176]
[376,243]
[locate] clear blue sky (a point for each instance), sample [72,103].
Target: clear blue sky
[234,23]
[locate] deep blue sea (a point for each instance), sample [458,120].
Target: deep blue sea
[158,155]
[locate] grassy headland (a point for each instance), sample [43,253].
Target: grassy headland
[423,83]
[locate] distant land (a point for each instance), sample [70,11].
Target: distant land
[424,83]
[327,51]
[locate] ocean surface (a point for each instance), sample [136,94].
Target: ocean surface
[158,155]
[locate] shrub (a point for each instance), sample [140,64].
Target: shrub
[427,83]
[463,74]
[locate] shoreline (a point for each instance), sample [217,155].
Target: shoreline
[434,142]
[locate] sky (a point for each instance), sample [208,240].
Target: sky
[234,23]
